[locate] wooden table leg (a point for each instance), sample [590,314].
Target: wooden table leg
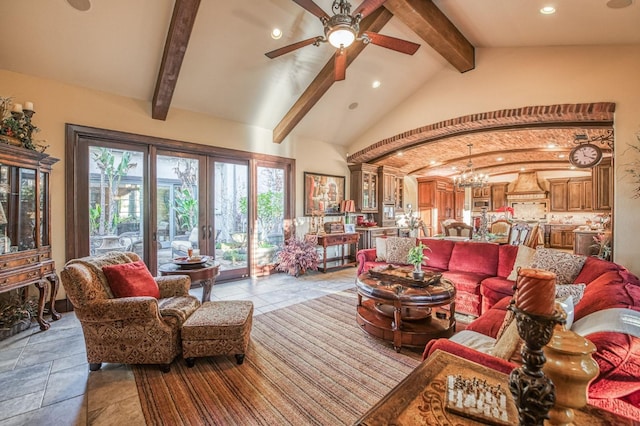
[397,324]
[41,286]
[54,283]
[206,289]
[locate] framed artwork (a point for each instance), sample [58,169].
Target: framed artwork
[350,228]
[323,193]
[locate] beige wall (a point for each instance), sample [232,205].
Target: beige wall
[56,104]
[513,78]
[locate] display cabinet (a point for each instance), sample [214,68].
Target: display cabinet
[364,187]
[25,229]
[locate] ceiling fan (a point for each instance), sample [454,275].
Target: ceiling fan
[342,29]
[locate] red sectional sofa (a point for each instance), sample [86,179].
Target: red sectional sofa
[479,271]
[467,264]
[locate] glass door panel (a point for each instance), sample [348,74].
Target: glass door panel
[116,191]
[270,216]
[230,183]
[177,206]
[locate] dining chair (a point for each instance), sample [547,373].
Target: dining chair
[458,229]
[500,226]
[519,233]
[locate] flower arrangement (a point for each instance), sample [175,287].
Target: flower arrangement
[16,125]
[410,219]
[297,256]
[603,243]
[507,210]
[15,310]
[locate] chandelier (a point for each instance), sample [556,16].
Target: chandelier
[470,178]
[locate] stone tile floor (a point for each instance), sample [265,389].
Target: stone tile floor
[45,378]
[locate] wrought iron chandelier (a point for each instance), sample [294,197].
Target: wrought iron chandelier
[470,178]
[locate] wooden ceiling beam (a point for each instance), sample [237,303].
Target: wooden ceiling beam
[184,16]
[325,78]
[427,21]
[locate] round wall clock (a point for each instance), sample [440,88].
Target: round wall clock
[585,156]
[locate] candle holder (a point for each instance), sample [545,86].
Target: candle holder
[533,392]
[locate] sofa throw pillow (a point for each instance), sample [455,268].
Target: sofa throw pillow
[566,266]
[398,249]
[131,280]
[523,260]
[566,304]
[508,343]
[576,291]
[381,249]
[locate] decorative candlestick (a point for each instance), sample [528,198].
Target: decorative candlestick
[535,315]
[483,224]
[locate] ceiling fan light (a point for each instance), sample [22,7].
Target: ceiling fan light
[341,36]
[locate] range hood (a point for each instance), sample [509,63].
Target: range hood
[527,198]
[527,187]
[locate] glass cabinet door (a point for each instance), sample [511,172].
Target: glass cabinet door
[26,214]
[44,217]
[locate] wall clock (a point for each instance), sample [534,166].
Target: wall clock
[585,156]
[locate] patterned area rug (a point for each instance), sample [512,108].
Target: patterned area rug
[307,364]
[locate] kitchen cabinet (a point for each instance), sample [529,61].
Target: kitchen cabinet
[364,187]
[561,236]
[25,227]
[584,244]
[498,195]
[368,235]
[458,203]
[483,192]
[440,198]
[399,194]
[602,176]
[558,194]
[579,194]
[426,193]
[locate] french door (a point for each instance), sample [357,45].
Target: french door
[160,199]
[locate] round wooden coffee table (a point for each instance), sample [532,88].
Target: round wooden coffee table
[206,274]
[396,311]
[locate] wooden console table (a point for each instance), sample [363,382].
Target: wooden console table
[206,274]
[420,398]
[342,239]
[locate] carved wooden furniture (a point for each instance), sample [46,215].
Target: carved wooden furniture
[206,275]
[401,313]
[519,233]
[340,240]
[458,229]
[420,398]
[128,330]
[25,228]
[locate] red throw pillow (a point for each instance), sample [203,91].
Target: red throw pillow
[131,279]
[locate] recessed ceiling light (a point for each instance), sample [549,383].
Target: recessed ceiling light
[276,33]
[618,4]
[432,162]
[81,5]
[560,155]
[572,167]
[353,105]
[522,169]
[454,168]
[376,84]
[551,145]
[548,10]
[400,153]
[499,159]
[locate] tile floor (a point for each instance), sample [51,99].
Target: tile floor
[45,378]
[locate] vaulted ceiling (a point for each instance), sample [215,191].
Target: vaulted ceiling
[209,58]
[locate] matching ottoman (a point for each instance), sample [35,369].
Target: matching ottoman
[217,328]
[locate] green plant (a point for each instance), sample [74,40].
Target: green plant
[15,310]
[186,209]
[416,255]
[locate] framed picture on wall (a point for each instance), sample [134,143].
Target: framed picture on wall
[323,193]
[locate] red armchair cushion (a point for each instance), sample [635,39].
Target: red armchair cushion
[607,291]
[131,280]
[468,282]
[494,289]
[594,268]
[506,259]
[481,258]
[440,253]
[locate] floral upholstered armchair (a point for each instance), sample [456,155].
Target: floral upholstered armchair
[128,330]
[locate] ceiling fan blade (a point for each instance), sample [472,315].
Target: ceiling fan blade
[367,7]
[399,45]
[340,65]
[311,7]
[291,47]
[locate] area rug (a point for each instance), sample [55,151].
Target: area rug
[307,364]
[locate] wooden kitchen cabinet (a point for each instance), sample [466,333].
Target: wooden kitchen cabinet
[498,195]
[579,194]
[484,192]
[426,193]
[364,187]
[458,203]
[558,194]
[562,236]
[437,194]
[602,176]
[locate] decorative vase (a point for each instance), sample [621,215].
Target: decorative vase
[571,368]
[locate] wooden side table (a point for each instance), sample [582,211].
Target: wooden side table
[337,239]
[206,275]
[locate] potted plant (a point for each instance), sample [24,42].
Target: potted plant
[297,256]
[15,316]
[415,257]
